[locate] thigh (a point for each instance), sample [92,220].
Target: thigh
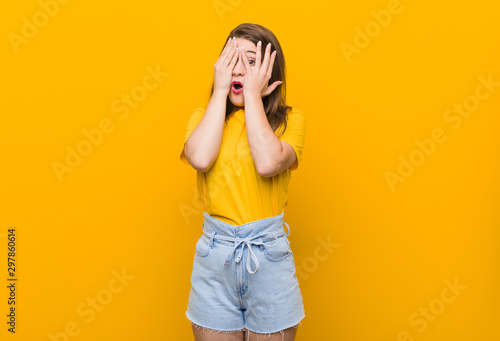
[285,335]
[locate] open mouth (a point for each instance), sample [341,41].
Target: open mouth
[237,87]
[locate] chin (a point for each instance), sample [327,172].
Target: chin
[239,102]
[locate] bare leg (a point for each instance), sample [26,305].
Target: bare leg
[205,334]
[285,335]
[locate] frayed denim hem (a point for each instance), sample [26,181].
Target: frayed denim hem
[198,326]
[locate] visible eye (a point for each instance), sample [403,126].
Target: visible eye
[251,62]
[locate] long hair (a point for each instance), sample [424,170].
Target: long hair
[275,103]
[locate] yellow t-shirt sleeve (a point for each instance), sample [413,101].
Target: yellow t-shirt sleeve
[295,134]
[193,122]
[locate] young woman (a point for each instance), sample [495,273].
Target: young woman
[244,145]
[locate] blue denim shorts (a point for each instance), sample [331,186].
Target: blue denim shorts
[244,277]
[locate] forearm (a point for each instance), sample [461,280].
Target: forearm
[203,145]
[265,146]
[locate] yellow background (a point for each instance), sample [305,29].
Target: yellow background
[129,204]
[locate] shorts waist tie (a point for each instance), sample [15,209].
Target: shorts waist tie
[246,242]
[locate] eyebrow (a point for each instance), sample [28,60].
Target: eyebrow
[251,52]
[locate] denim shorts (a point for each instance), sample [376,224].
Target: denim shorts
[244,277]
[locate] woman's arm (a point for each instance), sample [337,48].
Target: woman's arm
[203,145]
[271,156]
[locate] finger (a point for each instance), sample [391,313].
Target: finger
[229,43]
[265,63]
[275,85]
[226,47]
[259,55]
[271,88]
[225,60]
[271,65]
[233,60]
[233,53]
[244,59]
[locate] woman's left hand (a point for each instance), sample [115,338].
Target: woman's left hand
[257,75]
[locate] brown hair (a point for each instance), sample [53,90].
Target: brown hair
[275,103]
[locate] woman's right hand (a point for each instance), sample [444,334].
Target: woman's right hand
[223,69]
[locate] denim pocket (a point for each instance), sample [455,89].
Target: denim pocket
[277,250]
[203,246]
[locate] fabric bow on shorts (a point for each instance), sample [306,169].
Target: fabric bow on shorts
[248,242]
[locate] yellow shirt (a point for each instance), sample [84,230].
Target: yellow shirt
[232,190]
